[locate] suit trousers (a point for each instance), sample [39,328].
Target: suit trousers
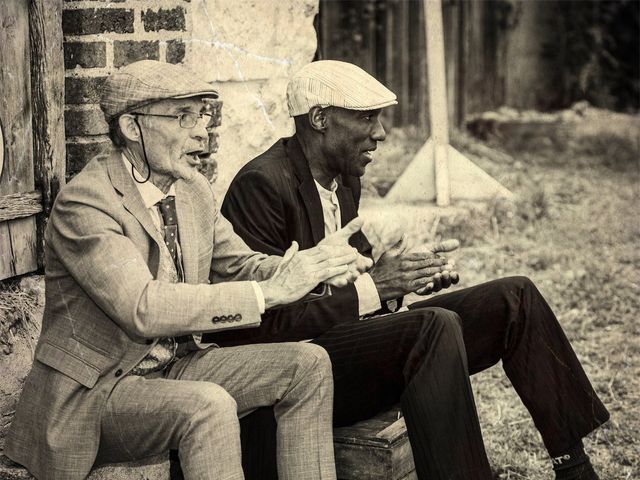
[423,358]
[194,407]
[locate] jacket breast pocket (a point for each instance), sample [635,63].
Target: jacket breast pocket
[75,360]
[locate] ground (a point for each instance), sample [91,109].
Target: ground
[574,230]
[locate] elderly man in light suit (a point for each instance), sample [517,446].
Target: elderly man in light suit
[137,261]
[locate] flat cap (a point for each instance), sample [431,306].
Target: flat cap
[149,81]
[340,84]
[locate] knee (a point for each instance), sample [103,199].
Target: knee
[209,400]
[443,318]
[310,356]
[516,285]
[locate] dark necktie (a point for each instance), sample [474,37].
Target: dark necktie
[168,211]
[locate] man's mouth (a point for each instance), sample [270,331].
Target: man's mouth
[368,153]
[194,156]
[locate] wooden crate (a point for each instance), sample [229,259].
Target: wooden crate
[375,449]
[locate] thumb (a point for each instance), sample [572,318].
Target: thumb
[288,255]
[446,246]
[352,227]
[399,247]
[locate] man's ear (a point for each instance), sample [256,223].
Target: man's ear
[318,118]
[129,128]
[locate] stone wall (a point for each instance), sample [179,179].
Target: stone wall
[247,49]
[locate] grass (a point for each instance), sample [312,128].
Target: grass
[574,229]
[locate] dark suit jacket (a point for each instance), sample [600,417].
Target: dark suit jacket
[271,202]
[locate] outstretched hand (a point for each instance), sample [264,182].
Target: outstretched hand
[301,270]
[399,271]
[341,238]
[447,276]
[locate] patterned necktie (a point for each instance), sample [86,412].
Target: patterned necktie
[168,211]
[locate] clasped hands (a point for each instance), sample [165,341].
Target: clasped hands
[332,261]
[401,270]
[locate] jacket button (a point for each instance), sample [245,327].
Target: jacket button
[118,372]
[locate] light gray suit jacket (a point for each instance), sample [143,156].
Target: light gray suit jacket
[105,309]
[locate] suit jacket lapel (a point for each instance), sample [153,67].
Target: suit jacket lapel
[188,236]
[307,189]
[347,205]
[131,200]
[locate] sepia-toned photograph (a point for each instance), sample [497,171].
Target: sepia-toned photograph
[319,239]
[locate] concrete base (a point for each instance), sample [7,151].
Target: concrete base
[467,180]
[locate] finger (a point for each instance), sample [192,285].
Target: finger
[350,228]
[426,290]
[446,279]
[446,246]
[288,255]
[428,271]
[437,282]
[429,258]
[329,272]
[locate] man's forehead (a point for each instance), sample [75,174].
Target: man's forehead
[354,113]
[177,105]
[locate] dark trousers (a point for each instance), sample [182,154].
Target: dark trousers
[423,358]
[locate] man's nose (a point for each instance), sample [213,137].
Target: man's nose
[199,130]
[379,133]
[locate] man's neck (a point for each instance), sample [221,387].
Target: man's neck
[317,162]
[140,171]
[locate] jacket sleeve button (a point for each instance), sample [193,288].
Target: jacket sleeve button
[237,317]
[118,372]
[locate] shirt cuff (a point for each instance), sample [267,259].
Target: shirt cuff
[259,296]
[368,298]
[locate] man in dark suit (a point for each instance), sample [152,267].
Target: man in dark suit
[307,186]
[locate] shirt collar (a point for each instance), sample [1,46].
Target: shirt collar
[327,192]
[148,191]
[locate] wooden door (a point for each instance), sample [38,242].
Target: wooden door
[18,238]
[32,148]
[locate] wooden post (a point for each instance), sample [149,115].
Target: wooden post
[439,117]
[47,89]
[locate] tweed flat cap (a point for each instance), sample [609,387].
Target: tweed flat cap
[149,81]
[339,84]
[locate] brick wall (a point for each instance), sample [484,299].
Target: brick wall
[101,36]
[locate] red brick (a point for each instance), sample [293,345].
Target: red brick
[78,90]
[170,19]
[85,122]
[85,54]
[175,51]
[128,51]
[97,20]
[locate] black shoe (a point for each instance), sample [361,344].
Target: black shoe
[583,471]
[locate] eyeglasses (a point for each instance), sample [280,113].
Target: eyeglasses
[186,119]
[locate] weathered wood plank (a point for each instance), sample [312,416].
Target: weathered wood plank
[374,449]
[47,88]
[16,255]
[19,205]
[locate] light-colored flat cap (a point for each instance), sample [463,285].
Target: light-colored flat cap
[340,84]
[149,81]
